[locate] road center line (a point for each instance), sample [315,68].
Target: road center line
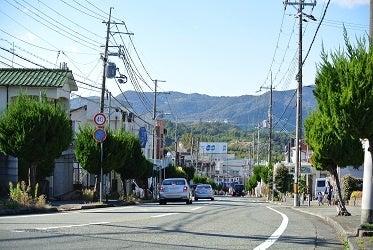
[274,237]
[77,225]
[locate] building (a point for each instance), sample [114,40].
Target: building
[57,85]
[118,117]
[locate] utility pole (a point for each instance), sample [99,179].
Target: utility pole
[155,139]
[270,116]
[103,89]
[301,4]
[102,102]
[258,146]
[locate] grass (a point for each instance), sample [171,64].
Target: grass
[366,226]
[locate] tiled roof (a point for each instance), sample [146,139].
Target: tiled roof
[37,78]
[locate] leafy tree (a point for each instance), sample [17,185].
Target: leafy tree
[36,132]
[252,183]
[331,148]
[190,171]
[175,172]
[200,179]
[134,164]
[283,179]
[88,153]
[346,89]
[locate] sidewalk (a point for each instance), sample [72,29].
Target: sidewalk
[346,226]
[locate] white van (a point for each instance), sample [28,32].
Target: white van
[320,185]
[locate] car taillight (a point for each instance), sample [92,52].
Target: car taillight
[185,188]
[161,188]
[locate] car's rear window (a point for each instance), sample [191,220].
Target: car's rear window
[173,182]
[204,186]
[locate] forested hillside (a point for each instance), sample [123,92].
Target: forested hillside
[242,143]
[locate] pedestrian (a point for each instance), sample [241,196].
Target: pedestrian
[320,197]
[328,192]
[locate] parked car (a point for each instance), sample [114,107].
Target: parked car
[175,189]
[203,191]
[238,190]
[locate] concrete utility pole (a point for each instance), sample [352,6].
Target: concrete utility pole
[270,116]
[301,4]
[155,138]
[102,101]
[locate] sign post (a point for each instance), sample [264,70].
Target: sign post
[100,135]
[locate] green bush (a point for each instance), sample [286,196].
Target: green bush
[350,184]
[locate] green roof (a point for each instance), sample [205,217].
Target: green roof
[56,78]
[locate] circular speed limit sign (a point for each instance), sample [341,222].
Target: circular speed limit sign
[99,119]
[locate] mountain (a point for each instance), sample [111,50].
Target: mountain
[246,111]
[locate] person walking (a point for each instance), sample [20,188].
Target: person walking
[320,197]
[328,192]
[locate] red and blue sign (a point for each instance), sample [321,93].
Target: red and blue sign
[100,134]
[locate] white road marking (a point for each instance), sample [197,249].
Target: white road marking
[163,215]
[76,225]
[196,208]
[274,237]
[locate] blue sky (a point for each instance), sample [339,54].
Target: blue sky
[212,47]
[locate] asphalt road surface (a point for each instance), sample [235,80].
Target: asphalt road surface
[226,223]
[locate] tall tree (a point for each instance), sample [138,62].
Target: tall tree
[283,179]
[88,153]
[36,132]
[134,164]
[331,148]
[346,94]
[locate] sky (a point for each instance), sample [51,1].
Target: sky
[212,47]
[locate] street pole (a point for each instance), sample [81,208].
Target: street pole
[155,141]
[300,4]
[299,112]
[258,147]
[102,104]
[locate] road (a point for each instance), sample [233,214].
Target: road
[226,223]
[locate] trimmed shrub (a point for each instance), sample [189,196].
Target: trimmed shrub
[350,184]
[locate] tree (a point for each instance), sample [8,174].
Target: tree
[346,95]
[190,171]
[134,163]
[175,172]
[331,148]
[282,179]
[36,132]
[88,153]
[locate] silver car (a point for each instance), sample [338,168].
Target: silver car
[175,189]
[203,191]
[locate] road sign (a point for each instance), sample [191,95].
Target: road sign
[99,119]
[99,134]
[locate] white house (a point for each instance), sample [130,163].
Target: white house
[118,117]
[56,84]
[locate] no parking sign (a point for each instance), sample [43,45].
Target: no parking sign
[99,134]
